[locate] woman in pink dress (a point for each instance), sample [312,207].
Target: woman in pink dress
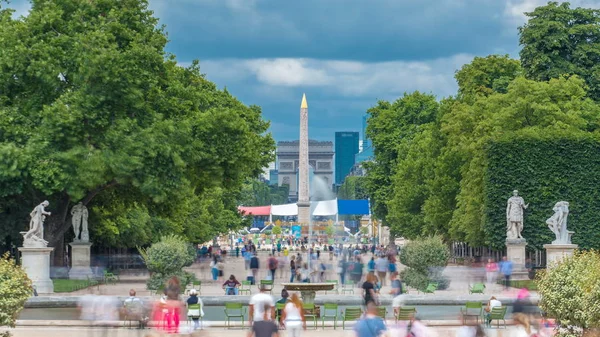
[491,270]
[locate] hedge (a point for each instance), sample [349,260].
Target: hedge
[545,171]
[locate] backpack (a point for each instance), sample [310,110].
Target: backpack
[272,263]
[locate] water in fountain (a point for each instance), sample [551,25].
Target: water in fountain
[320,190]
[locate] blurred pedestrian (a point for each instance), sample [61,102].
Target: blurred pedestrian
[258,303]
[506,269]
[369,293]
[522,325]
[381,266]
[370,325]
[254,265]
[293,316]
[272,264]
[491,270]
[264,327]
[292,269]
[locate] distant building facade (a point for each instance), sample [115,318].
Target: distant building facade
[273,177]
[320,160]
[366,151]
[346,148]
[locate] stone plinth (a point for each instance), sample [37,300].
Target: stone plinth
[515,252]
[303,213]
[36,262]
[556,252]
[80,261]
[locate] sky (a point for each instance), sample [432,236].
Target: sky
[344,54]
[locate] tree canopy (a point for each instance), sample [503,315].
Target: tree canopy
[431,173]
[93,109]
[559,40]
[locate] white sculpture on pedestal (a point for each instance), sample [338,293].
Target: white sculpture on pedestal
[558,223]
[34,238]
[514,216]
[79,220]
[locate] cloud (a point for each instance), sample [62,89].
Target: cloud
[515,9]
[339,77]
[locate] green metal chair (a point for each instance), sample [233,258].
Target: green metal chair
[348,287]
[245,287]
[472,309]
[381,312]
[477,288]
[335,287]
[109,278]
[279,310]
[310,312]
[268,284]
[406,314]
[198,286]
[498,314]
[134,312]
[194,311]
[234,310]
[349,315]
[330,310]
[431,288]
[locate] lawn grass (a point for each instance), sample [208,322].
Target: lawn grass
[519,284]
[67,286]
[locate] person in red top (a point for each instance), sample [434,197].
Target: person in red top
[272,263]
[491,270]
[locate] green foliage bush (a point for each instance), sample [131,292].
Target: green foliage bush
[166,259]
[570,293]
[15,289]
[545,170]
[425,260]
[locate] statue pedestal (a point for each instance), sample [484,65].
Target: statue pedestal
[515,252]
[556,252]
[80,261]
[36,262]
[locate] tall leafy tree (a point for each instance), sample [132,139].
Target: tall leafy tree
[93,109]
[559,40]
[389,125]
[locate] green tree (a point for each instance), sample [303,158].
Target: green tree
[167,258]
[93,109]
[353,188]
[276,230]
[559,40]
[531,108]
[258,193]
[388,125]
[15,289]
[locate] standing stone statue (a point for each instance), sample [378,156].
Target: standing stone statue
[79,220]
[558,223]
[34,238]
[514,216]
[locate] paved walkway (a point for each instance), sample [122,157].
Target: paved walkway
[85,332]
[461,278]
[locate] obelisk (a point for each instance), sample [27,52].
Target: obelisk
[303,195]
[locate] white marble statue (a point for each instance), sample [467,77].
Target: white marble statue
[79,220]
[514,216]
[558,223]
[34,238]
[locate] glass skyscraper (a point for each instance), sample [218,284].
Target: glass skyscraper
[346,148]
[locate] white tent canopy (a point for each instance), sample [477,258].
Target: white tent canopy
[325,208]
[284,210]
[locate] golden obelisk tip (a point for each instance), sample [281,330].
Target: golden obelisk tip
[303,105]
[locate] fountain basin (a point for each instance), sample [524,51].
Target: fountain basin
[308,290]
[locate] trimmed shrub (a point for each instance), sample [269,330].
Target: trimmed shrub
[166,259]
[15,289]
[425,260]
[570,293]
